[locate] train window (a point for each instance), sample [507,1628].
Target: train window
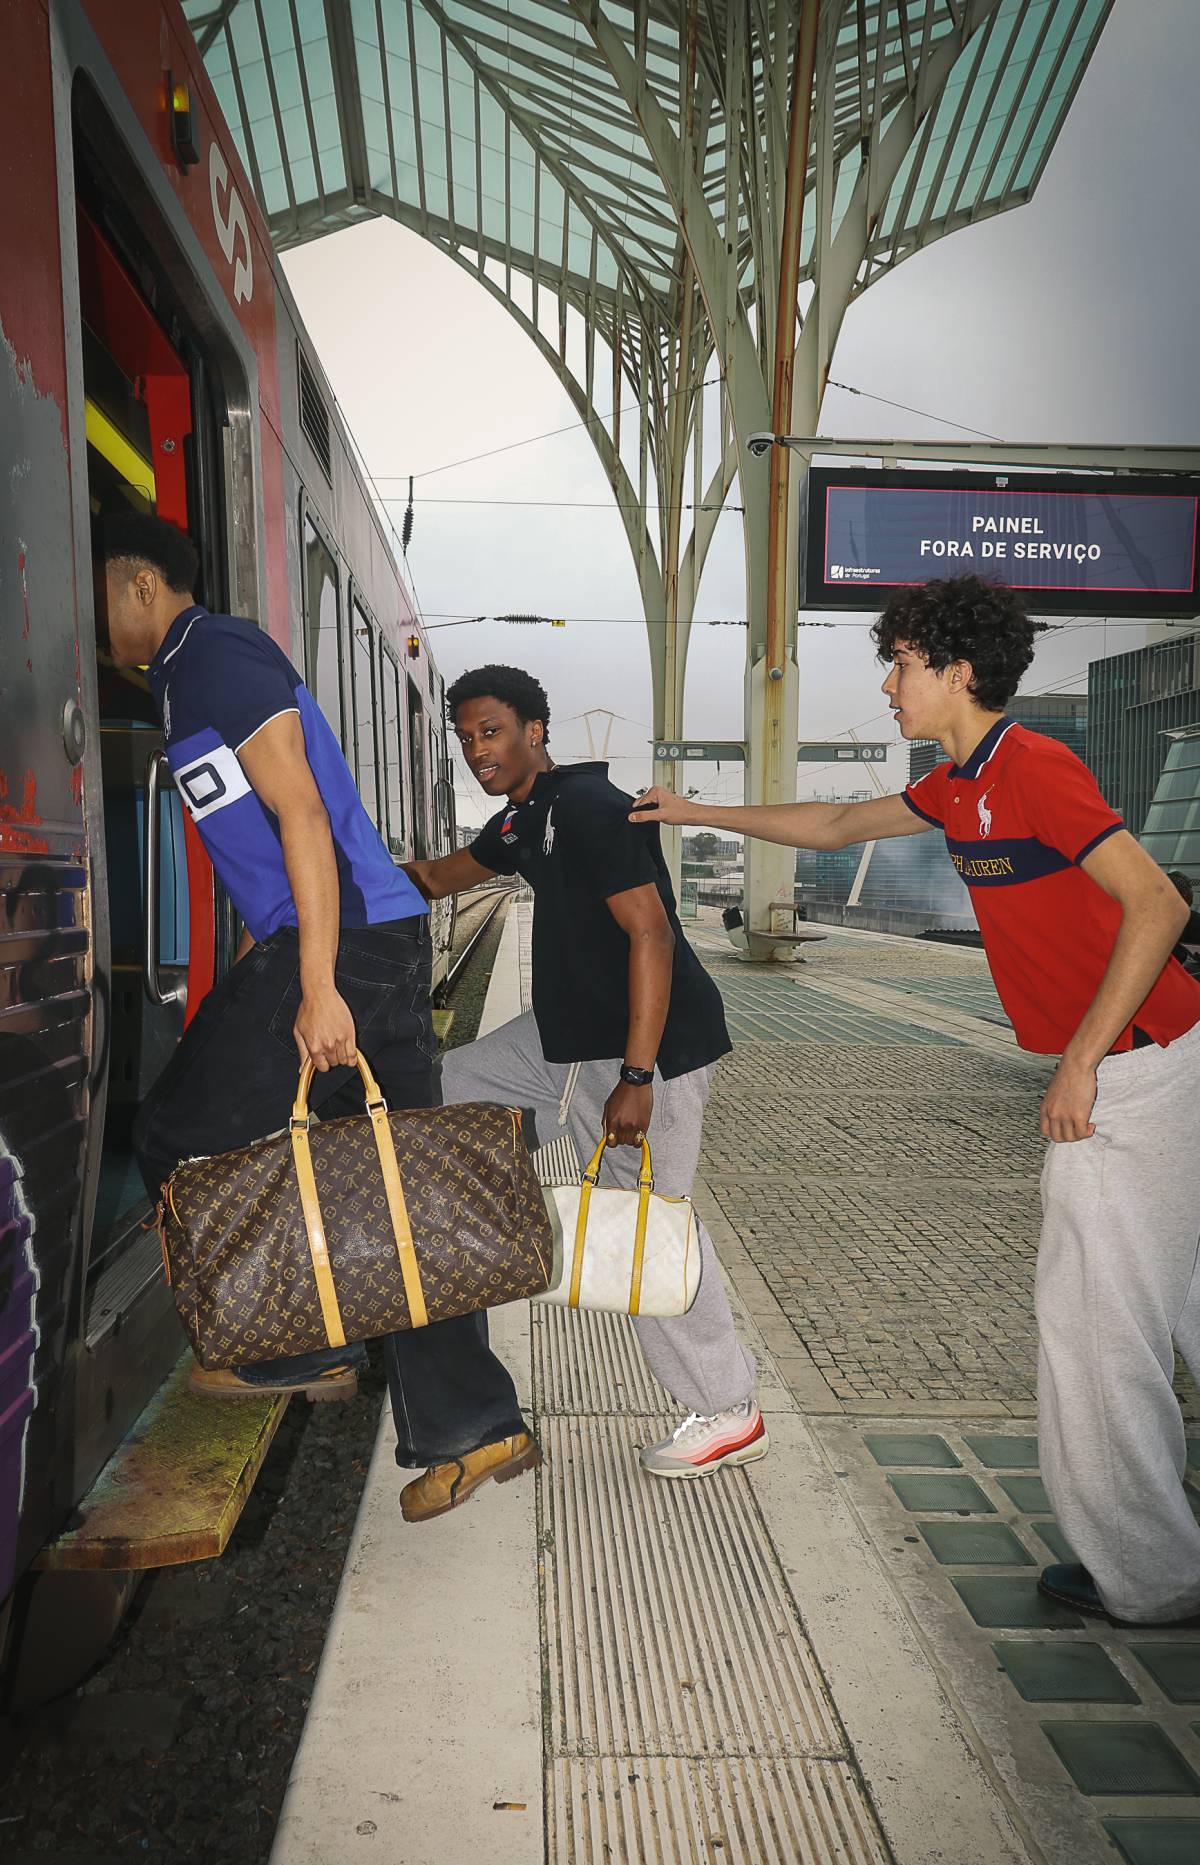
[362,658]
[393,783]
[445,797]
[322,603]
[418,786]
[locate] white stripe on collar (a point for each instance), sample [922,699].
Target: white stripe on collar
[995,748]
[183,637]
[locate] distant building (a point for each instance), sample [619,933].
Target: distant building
[826,875]
[1134,701]
[1058,715]
[1171,832]
[717,847]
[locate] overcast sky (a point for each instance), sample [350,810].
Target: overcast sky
[1072,319]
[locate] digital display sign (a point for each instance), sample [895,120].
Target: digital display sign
[1074,543]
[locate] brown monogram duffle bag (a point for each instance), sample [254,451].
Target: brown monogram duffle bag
[340,1230]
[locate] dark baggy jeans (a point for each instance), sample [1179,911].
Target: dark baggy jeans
[233,1079]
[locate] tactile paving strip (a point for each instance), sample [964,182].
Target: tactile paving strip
[686,1717]
[674,1632]
[773,1011]
[673,1812]
[592,1363]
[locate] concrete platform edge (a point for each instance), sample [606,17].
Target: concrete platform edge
[424,1734]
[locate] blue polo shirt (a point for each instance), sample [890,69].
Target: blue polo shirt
[217,680]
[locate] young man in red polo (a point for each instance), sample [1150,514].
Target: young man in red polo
[1078,925]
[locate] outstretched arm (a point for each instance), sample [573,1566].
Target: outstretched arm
[451,874]
[796,825]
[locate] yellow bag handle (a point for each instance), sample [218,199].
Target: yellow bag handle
[310,1203]
[645,1187]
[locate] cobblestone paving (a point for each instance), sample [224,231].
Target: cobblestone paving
[885,1183]
[889,1199]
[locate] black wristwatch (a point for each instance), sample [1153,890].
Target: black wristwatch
[637,1077]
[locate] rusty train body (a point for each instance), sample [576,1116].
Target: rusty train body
[150,354]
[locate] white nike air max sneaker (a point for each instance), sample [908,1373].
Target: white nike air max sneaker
[699,1446]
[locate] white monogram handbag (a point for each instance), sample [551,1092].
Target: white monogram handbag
[630,1252]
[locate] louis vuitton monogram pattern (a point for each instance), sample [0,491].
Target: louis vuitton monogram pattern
[237,1249]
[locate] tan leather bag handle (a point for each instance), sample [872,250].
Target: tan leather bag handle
[310,1203]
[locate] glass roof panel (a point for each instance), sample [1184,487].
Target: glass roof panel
[526,75]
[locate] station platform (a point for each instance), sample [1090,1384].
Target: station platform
[838,1653]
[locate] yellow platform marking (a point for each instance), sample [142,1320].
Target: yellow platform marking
[173,1491]
[442,1019]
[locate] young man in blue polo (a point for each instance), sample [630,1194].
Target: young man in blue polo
[1078,925]
[336,950]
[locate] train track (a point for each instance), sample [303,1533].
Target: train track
[491,900]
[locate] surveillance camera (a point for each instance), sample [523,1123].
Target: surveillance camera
[760,444]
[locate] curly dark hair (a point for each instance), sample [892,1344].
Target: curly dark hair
[962,618]
[511,685]
[140,538]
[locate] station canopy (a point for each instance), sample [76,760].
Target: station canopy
[506,131]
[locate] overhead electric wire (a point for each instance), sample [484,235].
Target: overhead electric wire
[551,433]
[582,505]
[631,407]
[922,412]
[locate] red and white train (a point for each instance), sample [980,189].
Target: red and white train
[150,353]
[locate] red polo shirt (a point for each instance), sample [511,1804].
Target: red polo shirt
[1020,816]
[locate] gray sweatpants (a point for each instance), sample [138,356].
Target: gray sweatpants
[696,1356]
[1117,1283]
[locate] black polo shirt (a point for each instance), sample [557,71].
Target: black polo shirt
[572,840]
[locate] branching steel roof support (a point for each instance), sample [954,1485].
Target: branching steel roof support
[757,135]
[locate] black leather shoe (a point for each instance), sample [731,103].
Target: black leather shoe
[1070,1584]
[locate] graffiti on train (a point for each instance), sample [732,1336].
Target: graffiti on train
[18,1347]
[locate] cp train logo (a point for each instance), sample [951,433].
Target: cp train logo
[231,222]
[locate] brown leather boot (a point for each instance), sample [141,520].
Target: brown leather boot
[447,1485]
[339,1382]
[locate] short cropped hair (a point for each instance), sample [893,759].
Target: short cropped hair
[139,539]
[1182,883]
[962,618]
[511,685]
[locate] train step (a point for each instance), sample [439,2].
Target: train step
[174,1488]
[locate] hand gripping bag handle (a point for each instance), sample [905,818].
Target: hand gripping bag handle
[645,1187]
[310,1203]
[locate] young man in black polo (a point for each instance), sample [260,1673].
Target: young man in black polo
[1078,925]
[623,1038]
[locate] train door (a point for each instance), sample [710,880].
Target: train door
[152,433]
[322,624]
[138,420]
[418,775]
